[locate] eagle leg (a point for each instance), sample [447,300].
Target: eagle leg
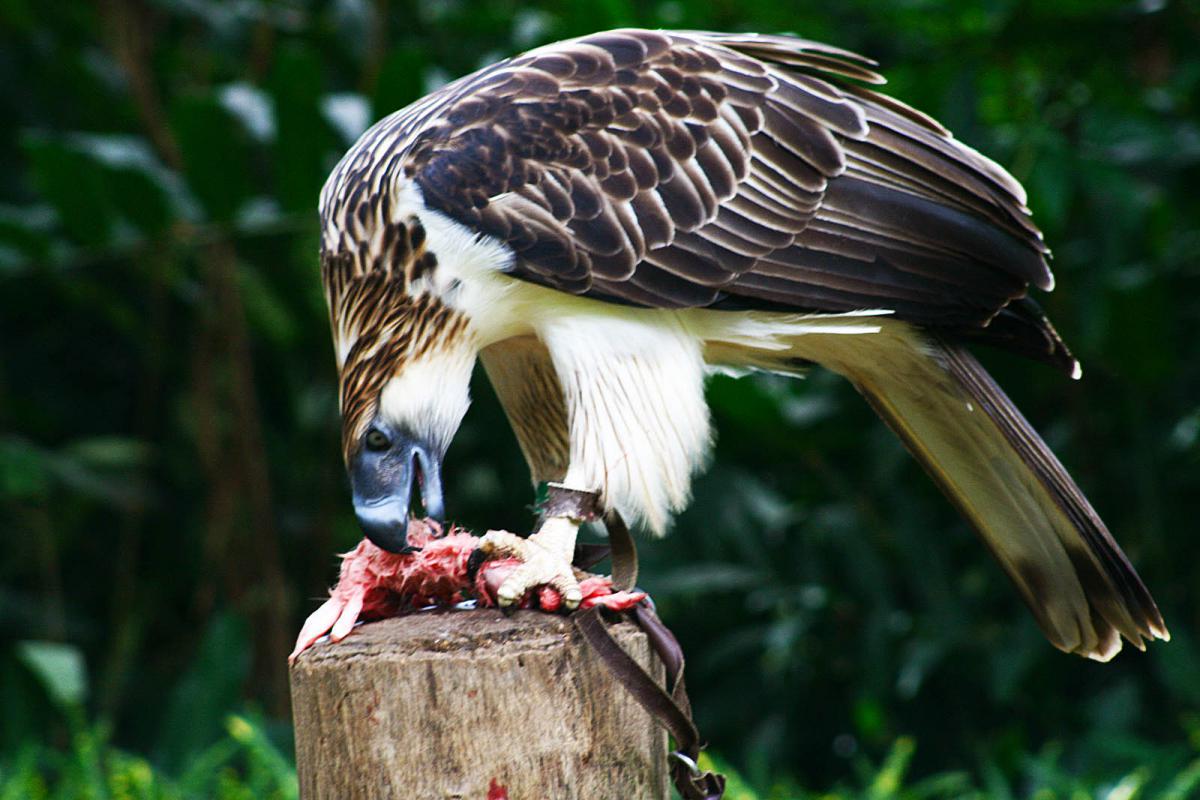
[545,561]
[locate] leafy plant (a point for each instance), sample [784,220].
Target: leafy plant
[237,761]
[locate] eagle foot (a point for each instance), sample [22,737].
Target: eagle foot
[545,561]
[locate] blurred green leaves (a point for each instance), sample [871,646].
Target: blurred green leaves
[304,137]
[102,468]
[104,188]
[75,185]
[1043,779]
[242,765]
[210,686]
[215,154]
[60,670]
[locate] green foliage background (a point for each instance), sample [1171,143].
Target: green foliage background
[171,493]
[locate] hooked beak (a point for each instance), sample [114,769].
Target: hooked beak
[382,484]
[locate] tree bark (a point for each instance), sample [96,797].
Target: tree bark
[445,705]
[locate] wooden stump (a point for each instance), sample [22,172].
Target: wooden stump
[438,705]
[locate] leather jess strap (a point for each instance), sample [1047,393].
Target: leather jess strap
[670,707]
[623,552]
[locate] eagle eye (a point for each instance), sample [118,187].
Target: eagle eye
[377,440]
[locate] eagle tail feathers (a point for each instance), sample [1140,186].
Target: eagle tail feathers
[988,460]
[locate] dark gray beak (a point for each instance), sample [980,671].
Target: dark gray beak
[382,479]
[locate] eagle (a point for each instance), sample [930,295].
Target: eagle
[605,221]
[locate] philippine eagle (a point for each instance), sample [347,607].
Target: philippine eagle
[603,221]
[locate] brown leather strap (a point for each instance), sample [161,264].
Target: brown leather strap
[624,552]
[671,710]
[700,785]
[671,707]
[639,683]
[563,501]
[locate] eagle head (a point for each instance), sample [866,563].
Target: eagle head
[404,364]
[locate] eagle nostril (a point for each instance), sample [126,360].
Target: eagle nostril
[418,502]
[427,468]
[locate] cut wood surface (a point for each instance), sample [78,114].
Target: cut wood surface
[444,705]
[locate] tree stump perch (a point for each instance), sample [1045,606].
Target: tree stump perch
[438,705]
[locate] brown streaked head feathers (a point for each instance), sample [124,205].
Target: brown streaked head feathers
[381,318]
[390,250]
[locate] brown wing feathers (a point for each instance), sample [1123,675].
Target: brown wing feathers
[693,169]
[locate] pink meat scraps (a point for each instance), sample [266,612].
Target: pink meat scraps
[375,584]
